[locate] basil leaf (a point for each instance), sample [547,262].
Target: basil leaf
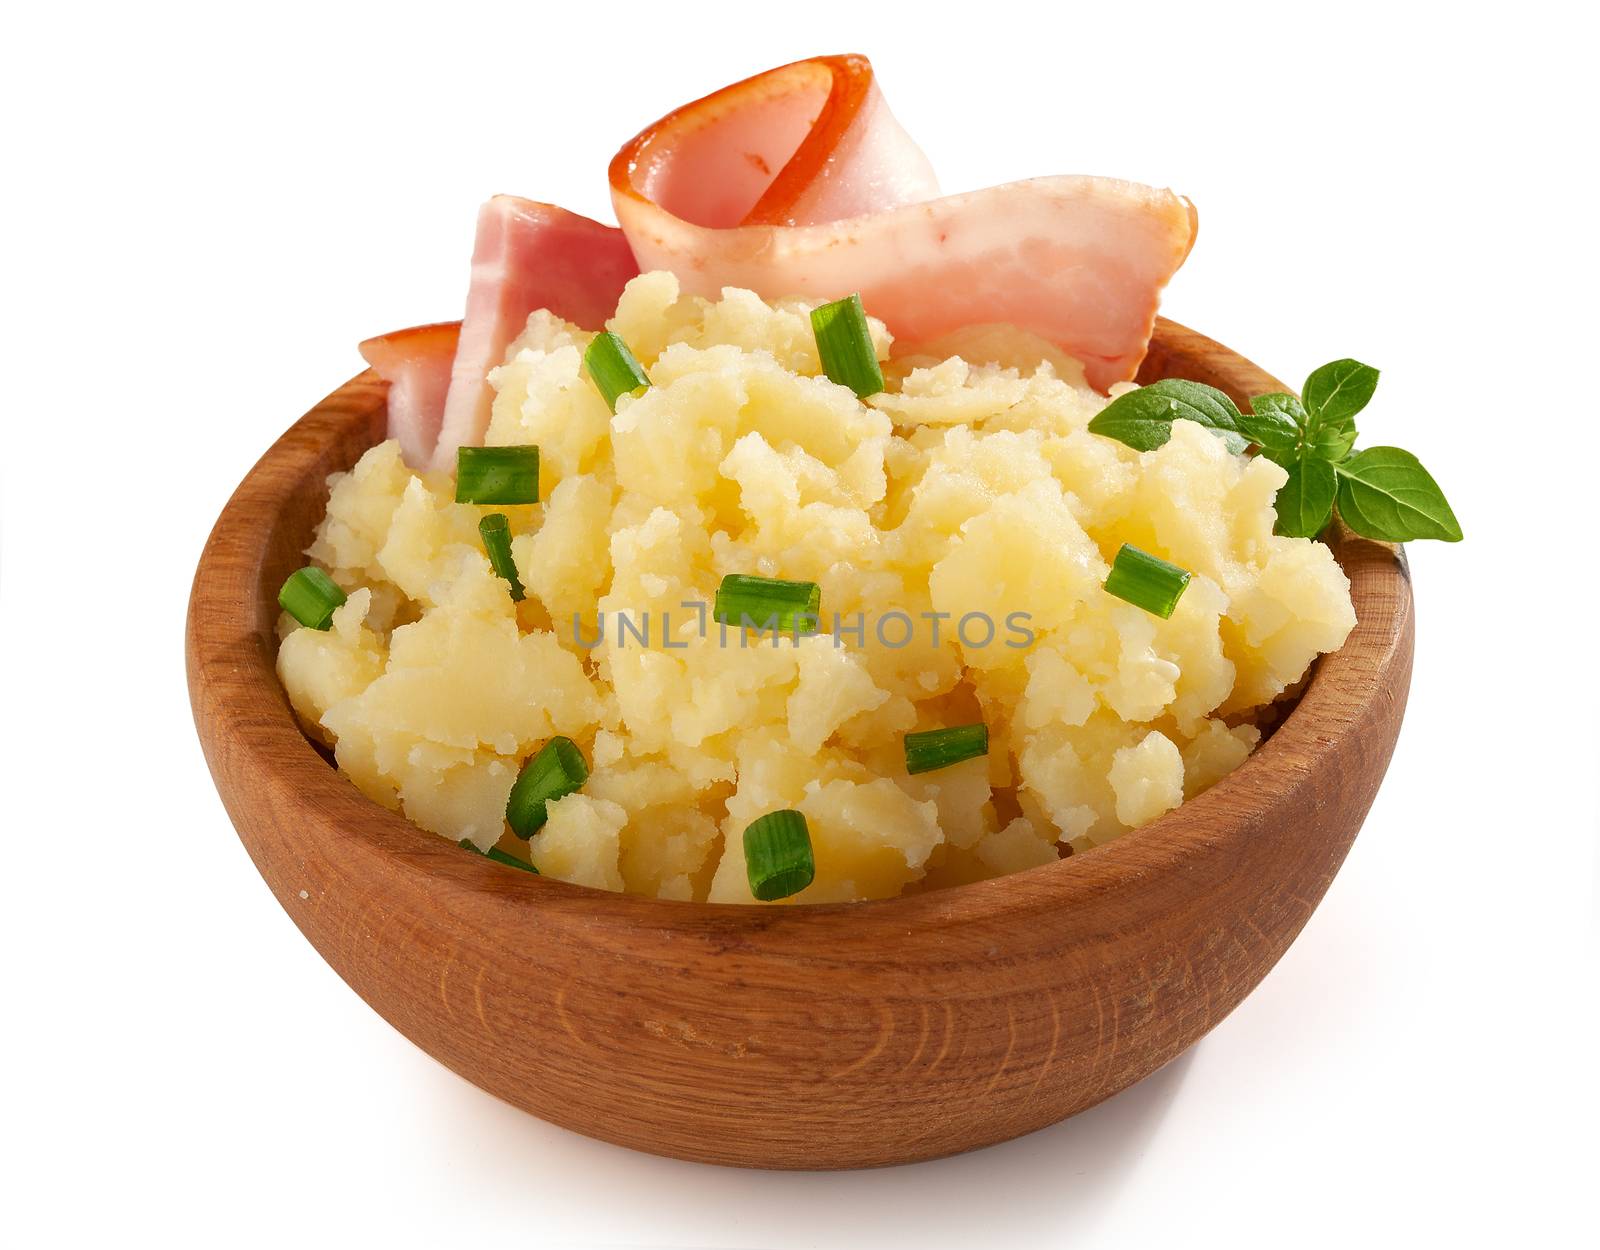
[1283,403]
[1143,419]
[1274,424]
[1337,391]
[1306,501]
[1385,493]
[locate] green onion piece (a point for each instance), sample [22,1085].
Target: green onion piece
[845,344]
[499,856]
[1146,581]
[767,603]
[310,596]
[556,770]
[497,474]
[496,531]
[614,370]
[777,855]
[940,748]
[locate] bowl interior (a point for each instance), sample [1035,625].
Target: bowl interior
[285,495]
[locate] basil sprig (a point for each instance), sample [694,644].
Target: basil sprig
[1382,492]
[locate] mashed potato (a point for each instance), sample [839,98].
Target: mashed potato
[960,525]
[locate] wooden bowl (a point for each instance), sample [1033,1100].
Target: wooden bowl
[788,1037]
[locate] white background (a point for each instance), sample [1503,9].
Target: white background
[206,210]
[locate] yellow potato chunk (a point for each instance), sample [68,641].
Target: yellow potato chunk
[319,668]
[833,686]
[464,800]
[1215,752]
[1147,779]
[470,680]
[1026,549]
[564,563]
[581,842]
[1016,847]
[361,506]
[542,397]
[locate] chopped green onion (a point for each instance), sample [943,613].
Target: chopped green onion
[940,748]
[310,596]
[766,602]
[845,344]
[777,855]
[614,370]
[1146,581]
[496,531]
[557,769]
[499,856]
[497,474]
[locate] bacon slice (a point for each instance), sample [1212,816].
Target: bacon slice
[1080,261]
[416,365]
[799,181]
[528,256]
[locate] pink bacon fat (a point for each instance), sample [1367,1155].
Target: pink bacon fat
[416,365]
[527,256]
[1079,261]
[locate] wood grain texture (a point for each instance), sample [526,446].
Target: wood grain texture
[795,1037]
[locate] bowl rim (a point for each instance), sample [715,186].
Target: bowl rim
[244,718]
